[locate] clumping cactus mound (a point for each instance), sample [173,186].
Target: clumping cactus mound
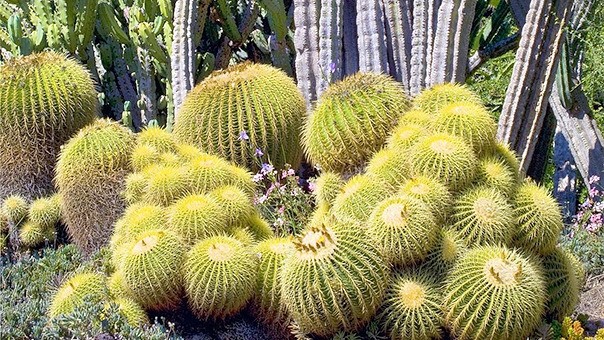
[412,307]
[151,269]
[352,120]
[334,280]
[219,276]
[263,107]
[45,98]
[430,191]
[494,293]
[77,290]
[90,177]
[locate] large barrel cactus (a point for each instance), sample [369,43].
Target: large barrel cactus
[91,172]
[244,108]
[352,121]
[44,99]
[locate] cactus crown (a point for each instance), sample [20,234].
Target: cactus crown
[316,243]
[412,295]
[221,252]
[146,243]
[502,272]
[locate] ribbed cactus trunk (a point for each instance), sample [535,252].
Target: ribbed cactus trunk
[306,40]
[398,30]
[533,76]
[373,56]
[330,43]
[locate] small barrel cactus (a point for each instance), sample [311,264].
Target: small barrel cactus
[390,165]
[197,217]
[219,275]
[76,291]
[494,293]
[352,120]
[165,184]
[46,211]
[494,173]
[246,107]
[562,284]
[432,100]
[45,98]
[327,188]
[430,191]
[15,208]
[358,198]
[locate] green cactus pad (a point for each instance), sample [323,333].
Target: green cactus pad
[208,172]
[432,100]
[80,288]
[158,138]
[449,248]
[352,120]
[31,234]
[132,311]
[219,274]
[469,121]
[484,216]
[152,269]
[197,217]
[90,177]
[539,218]
[247,106]
[166,184]
[234,202]
[268,305]
[403,229]
[45,98]
[15,208]
[358,198]
[135,188]
[327,187]
[391,165]
[494,293]
[494,173]
[144,156]
[445,157]
[46,211]
[418,118]
[430,191]
[405,136]
[412,307]
[334,280]
[563,286]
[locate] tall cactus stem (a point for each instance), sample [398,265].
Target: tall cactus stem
[372,44]
[307,48]
[330,43]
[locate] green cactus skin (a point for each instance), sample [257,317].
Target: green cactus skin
[77,290]
[418,118]
[138,218]
[234,202]
[135,188]
[539,218]
[15,208]
[144,156]
[505,154]
[156,137]
[483,216]
[31,234]
[170,159]
[432,100]
[256,226]
[209,172]
[352,120]
[243,235]
[188,153]
[219,274]
[268,304]
[494,173]
[562,284]
[152,269]
[45,98]
[166,184]
[321,213]
[578,268]
[327,187]
[334,280]
[90,177]
[405,136]
[412,307]
[257,101]
[358,198]
[469,121]
[403,229]
[445,157]
[46,211]
[430,191]
[494,293]
[449,248]
[196,217]
[390,165]
[117,285]
[132,311]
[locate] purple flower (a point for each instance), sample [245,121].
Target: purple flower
[593,179]
[258,153]
[243,135]
[593,192]
[332,68]
[262,199]
[266,168]
[258,177]
[281,210]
